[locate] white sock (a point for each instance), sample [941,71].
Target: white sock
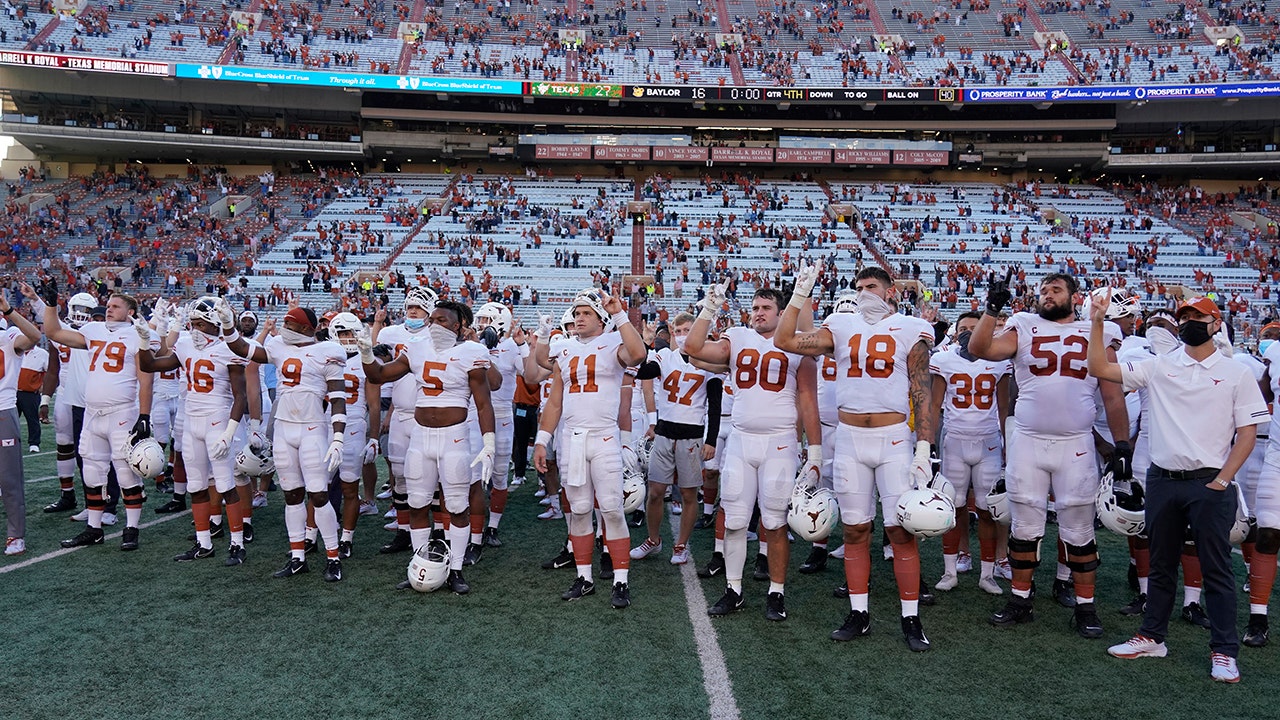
[910,607]
[707,508]
[203,539]
[179,488]
[347,535]
[327,520]
[1142,585]
[1257,609]
[237,537]
[312,533]
[988,569]
[419,537]
[475,538]
[494,519]
[775,587]
[858,603]
[620,575]
[1190,595]
[735,556]
[132,516]
[1064,572]
[295,522]
[457,545]
[584,572]
[949,564]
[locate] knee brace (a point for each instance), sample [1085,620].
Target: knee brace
[1078,551]
[400,500]
[1024,547]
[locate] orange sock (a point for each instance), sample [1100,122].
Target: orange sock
[498,501]
[950,543]
[1191,576]
[583,547]
[1262,576]
[906,568]
[987,549]
[200,513]
[620,550]
[857,567]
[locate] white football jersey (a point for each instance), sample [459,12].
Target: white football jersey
[969,405]
[764,383]
[828,402]
[682,393]
[404,392]
[353,379]
[871,360]
[73,371]
[113,365]
[304,372]
[10,367]
[1132,349]
[509,359]
[167,384]
[1056,394]
[208,382]
[591,377]
[442,377]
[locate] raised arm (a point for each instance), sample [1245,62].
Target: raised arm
[983,342]
[54,331]
[809,342]
[697,345]
[1102,364]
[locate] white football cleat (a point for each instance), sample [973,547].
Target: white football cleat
[1223,668]
[1139,646]
[645,549]
[964,563]
[551,513]
[109,518]
[681,555]
[14,546]
[368,508]
[81,516]
[948,582]
[989,584]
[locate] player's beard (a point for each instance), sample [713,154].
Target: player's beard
[1054,313]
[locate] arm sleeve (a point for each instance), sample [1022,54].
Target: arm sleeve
[649,370]
[714,392]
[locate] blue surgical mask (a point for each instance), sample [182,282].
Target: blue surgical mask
[415,323]
[1263,345]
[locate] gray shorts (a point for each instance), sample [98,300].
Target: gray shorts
[680,460]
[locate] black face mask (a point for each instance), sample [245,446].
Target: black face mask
[322,334]
[962,345]
[1194,332]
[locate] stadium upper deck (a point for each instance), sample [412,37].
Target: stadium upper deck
[850,43]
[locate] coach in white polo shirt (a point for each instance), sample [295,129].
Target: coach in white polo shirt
[1205,411]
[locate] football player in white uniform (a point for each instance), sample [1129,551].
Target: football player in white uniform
[1051,445]
[448,374]
[1266,504]
[364,418]
[167,390]
[68,372]
[582,410]
[881,380]
[775,392]
[972,396]
[418,304]
[310,372]
[685,435]
[117,409]
[495,325]
[215,406]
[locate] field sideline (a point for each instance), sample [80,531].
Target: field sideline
[99,633]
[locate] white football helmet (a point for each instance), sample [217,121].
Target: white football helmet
[926,513]
[998,503]
[204,308]
[594,299]
[346,322]
[421,296]
[254,462]
[147,458]
[80,309]
[644,449]
[566,320]
[1244,521]
[846,303]
[429,566]
[1123,303]
[1124,514]
[496,315]
[633,490]
[813,514]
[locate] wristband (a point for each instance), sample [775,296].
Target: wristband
[625,436]
[543,439]
[337,437]
[6,312]
[707,314]
[652,418]
[231,428]
[44,400]
[232,337]
[620,318]
[337,394]
[255,425]
[339,418]
[993,312]
[799,301]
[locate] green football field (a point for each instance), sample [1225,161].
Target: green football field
[98,633]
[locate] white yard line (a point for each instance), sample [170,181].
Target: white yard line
[715,674]
[66,551]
